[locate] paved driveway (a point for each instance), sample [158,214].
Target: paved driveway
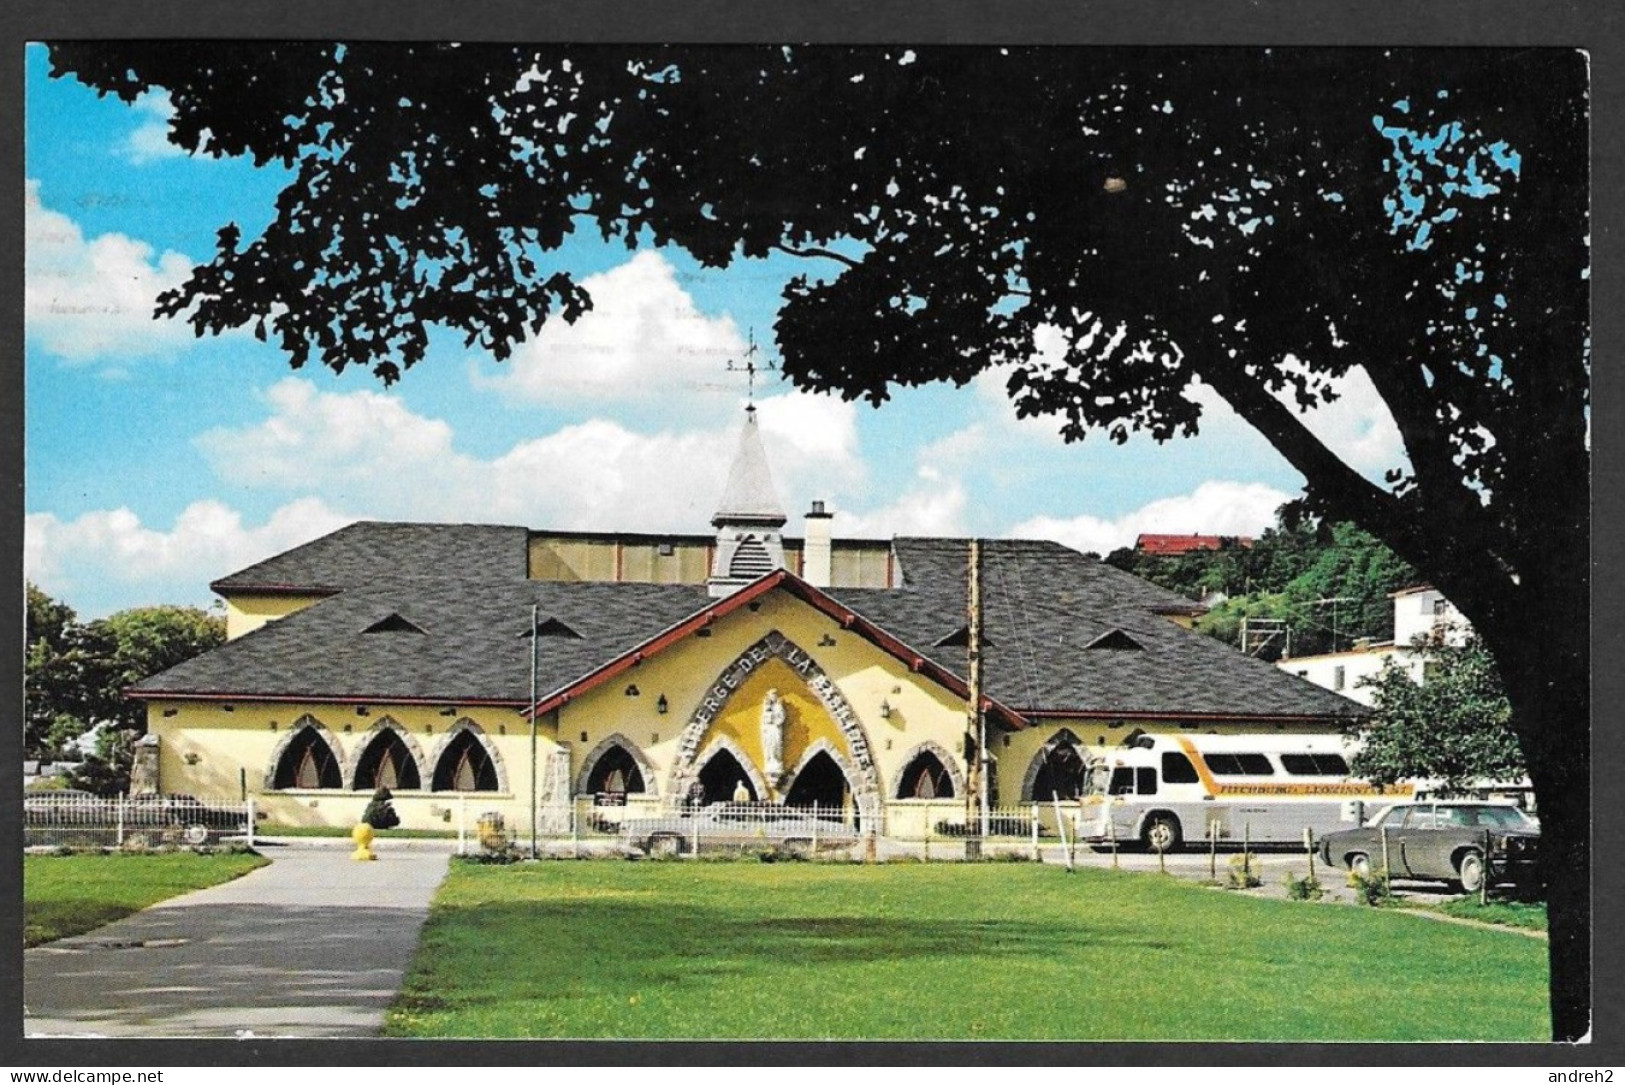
[313,945]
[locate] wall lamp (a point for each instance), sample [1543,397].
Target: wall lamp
[361,710]
[826,641]
[662,704]
[885,710]
[192,759]
[448,711]
[632,691]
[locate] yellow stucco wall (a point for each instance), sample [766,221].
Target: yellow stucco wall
[246,613]
[918,712]
[207,751]
[864,675]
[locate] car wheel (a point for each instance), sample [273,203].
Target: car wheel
[1470,871]
[1161,833]
[196,835]
[1360,865]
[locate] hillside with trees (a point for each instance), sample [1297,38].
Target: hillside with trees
[1328,583]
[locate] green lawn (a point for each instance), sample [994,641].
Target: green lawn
[1530,915]
[71,894]
[994,951]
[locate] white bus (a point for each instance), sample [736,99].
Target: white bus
[1165,790]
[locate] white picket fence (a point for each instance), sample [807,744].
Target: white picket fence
[144,820]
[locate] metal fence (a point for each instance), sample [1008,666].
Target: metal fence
[139,821]
[589,824]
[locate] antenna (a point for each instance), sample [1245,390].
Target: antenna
[750,369]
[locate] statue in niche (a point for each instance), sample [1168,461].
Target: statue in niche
[773,736]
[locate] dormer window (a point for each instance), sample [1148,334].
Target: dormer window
[551,627]
[394,623]
[1116,640]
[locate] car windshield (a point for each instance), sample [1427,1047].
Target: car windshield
[1390,816]
[1496,817]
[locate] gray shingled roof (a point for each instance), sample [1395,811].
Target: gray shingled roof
[1043,606]
[353,556]
[473,646]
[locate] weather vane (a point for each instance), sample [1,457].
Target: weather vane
[750,369]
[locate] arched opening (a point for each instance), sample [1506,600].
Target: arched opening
[1062,771]
[308,762]
[926,777]
[465,766]
[820,781]
[387,762]
[721,776]
[616,772]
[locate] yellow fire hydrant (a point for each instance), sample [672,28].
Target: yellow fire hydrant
[362,835]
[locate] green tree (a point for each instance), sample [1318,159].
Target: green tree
[75,673]
[65,675]
[1454,728]
[1262,222]
[145,641]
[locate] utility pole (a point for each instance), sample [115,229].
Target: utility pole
[534,648]
[976,800]
[1334,601]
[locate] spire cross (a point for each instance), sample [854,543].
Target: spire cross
[750,369]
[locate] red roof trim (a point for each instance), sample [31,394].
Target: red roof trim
[220,587]
[1106,715]
[802,590]
[308,698]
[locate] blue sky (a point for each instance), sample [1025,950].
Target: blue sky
[156,462]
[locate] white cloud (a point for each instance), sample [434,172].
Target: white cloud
[934,507]
[643,340]
[149,142]
[367,450]
[1213,508]
[88,299]
[102,558]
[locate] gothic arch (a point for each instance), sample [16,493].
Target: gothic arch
[304,722]
[617,741]
[1062,737]
[937,750]
[823,745]
[723,742]
[478,734]
[363,742]
[860,768]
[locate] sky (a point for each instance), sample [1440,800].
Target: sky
[156,462]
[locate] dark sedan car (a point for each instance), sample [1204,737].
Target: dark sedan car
[198,819]
[1462,842]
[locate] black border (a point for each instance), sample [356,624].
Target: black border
[1593,27]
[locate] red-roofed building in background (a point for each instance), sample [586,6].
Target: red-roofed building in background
[1174,545]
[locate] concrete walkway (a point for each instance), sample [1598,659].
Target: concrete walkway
[315,945]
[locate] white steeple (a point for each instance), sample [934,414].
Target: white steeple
[750,520]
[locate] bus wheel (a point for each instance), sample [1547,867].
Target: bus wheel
[1470,871]
[1360,865]
[1161,833]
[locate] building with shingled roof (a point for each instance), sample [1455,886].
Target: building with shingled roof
[626,672]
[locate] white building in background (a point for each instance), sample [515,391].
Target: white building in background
[1419,611]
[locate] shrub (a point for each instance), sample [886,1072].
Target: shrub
[1245,872]
[1371,890]
[1305,888]
[379,813]
[494,856]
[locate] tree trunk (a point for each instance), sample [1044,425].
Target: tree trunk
[1543,652]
